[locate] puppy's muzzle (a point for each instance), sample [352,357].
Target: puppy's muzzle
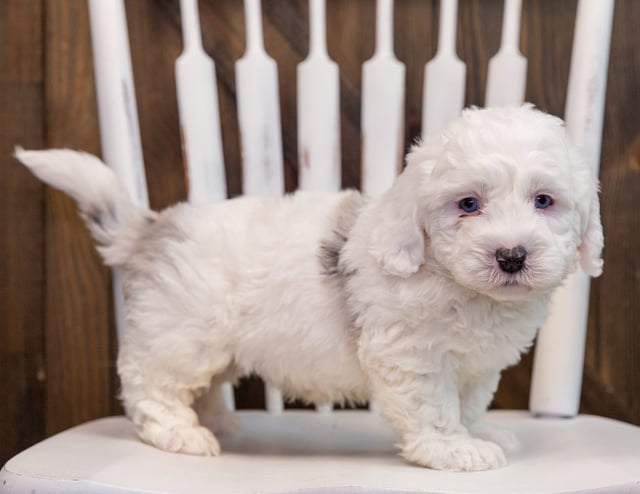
[511,260]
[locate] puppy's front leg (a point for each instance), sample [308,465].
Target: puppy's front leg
[417,391]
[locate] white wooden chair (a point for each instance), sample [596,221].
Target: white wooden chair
[345,451]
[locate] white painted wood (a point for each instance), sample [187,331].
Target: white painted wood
[318,97]
[199,113]
[444,75]
[559,356]
[273,400]
[324,408]
[228,396]
[507,77]
[383,81]
[118,113]
[259,112]
[342,452]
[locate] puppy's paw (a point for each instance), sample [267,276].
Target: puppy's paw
[455,454]
[494,433]
[190,440]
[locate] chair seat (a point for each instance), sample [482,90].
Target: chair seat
[346,451]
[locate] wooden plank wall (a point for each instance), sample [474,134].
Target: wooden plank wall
[57,347]
[22,358]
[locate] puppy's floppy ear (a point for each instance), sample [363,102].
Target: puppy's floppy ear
[592,240]
[591,235]
[397,239]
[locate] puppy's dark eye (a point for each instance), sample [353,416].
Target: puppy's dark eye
[469,204]
[543,201]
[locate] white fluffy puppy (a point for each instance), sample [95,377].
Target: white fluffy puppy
[418,298]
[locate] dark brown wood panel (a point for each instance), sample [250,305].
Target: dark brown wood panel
[350,43]
[21,230]
[77,306]
[415,41]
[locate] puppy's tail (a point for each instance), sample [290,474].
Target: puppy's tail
[103,201]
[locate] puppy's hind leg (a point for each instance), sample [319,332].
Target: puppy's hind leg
[173,426]
[159,402]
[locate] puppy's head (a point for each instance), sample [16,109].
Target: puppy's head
[500,199]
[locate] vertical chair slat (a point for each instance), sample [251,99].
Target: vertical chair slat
[444,75]
[259,112]
[559,357]
[199,114]
[383,80]
[273,400]
[260,130]
[118,113]
[119,129]
[507,76]
[318,100]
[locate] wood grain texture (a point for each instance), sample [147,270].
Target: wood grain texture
[56,339]
[416,40]
[22,279]
[79,332]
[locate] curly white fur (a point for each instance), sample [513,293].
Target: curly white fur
[398,298]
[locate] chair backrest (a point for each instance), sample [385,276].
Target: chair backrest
[560,351]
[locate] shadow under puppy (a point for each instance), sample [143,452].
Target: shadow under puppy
[417,299]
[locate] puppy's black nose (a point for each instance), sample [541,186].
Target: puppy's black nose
[511,260]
